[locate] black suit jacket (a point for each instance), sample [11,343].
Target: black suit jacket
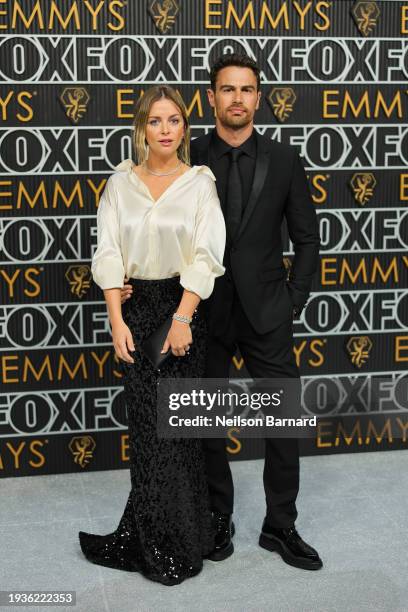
[280,189]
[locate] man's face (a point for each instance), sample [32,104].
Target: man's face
[235,98]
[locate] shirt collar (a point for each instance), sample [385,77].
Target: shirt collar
[220,147]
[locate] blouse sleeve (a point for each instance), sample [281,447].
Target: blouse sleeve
[107,263]
[208,245]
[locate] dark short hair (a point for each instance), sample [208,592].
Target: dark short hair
[234,59]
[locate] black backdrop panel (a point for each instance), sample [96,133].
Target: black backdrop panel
[334,85]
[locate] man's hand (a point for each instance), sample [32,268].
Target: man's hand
[126,292]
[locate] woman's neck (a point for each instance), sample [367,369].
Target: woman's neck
[162,164]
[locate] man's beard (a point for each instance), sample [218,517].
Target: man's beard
[236,123]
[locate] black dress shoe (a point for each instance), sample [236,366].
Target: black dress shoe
[225,529]
[288,543]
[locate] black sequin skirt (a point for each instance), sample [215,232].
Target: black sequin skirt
[166,528]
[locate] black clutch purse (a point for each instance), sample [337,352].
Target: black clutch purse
[153,345]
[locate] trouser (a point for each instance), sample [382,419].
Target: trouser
[267,355]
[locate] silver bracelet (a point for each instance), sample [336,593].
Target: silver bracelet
[182,318]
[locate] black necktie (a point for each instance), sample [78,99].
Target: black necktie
[234,195]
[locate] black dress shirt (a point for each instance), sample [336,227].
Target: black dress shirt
[219,152]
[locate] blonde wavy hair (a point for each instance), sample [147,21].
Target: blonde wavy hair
[142,110]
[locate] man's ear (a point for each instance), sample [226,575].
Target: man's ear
[210,95]
[259,100]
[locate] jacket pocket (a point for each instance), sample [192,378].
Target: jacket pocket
[271,274]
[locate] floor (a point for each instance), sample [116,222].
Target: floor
[352,508]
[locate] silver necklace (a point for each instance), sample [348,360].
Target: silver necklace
[162,173]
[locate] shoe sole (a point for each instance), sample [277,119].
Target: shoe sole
[223,554]
[273,545]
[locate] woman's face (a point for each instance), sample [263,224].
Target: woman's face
[164,128]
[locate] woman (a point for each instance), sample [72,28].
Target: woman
[160,224]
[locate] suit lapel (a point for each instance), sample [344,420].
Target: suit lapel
[201,151]
[261,170]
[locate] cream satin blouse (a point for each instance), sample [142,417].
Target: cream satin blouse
[182,233]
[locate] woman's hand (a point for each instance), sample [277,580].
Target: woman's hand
[125,292]
[122,341]
[178,339]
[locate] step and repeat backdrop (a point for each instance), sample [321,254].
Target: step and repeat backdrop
[334,85]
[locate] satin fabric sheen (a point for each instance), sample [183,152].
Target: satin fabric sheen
[181,233]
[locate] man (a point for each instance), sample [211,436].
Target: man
[259,181]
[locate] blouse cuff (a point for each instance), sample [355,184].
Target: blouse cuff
[199,278]
[109,273]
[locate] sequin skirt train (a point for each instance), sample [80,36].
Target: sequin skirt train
[166,528]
